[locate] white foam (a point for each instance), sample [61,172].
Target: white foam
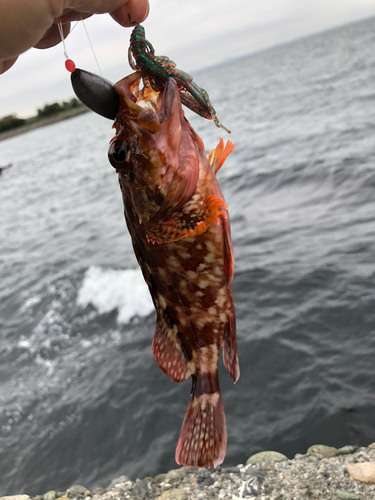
[109,289]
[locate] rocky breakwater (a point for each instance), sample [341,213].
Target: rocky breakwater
[323,472]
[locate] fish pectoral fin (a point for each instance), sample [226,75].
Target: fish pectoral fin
[218,155]
[230,356]
[168,353]
[203,436]
[190,223]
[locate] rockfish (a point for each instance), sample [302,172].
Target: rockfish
[179,225]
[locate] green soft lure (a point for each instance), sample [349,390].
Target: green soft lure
[156,70]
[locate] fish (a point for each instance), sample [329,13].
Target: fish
[179,225]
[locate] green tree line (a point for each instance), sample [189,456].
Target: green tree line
[12,121]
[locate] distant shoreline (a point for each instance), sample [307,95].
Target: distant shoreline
[43,123]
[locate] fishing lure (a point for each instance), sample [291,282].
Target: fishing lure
[156,70]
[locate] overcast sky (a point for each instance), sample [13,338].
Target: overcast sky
[195,34]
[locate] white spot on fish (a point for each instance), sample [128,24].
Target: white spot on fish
[192,275]
[210,257]
[162,302]
[203,284]
[184,255]
[173,262]
[210,246]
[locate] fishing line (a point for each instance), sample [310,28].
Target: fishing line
[69,63]
[92,48]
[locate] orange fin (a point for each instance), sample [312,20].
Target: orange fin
[168,353]
[218,155]
[230,356]
[194,221]
[203,436]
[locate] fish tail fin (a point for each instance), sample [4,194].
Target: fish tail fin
[203,435]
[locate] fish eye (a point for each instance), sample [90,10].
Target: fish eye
[119,154]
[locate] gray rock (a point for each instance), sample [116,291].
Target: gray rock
[321,450]
[343,495]
[251,488]
[267,457]
[15,497]
[208,481]
[174,494]
[160,478]
[98,490]
[76,490]
[118,480]
[141,488]
[50,495]
[176,474]
[203,473]
[346,450]
[232,470]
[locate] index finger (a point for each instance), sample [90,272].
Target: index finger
[137,10]
[119,10]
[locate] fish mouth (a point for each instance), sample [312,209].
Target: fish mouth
[146,107]
[159,113]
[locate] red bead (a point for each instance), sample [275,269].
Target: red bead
[70,66]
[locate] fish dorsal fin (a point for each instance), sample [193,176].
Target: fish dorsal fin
[218,155]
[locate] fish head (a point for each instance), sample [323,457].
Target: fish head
[155,150]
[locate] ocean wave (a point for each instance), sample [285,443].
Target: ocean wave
[109,289]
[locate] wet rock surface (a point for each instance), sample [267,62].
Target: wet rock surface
[306,477]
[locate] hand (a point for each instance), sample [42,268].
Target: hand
[32,23]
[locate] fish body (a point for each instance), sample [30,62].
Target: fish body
[178,221]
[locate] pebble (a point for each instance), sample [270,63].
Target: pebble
[267,457]
[50,495]
[16,497]
[118,480]
[76,491]
[321,450]
[346,450]
[307,478]
[343,495]
[160,478]
[371,446]
[141,488]
[232,470]
[176,474]
[364,472]
[174,494]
